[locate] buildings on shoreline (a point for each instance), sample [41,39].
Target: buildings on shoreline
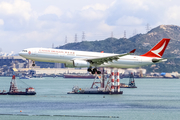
[10,65]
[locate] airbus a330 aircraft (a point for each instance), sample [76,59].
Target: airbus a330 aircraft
[73,58]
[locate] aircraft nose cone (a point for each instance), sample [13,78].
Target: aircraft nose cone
[20,53]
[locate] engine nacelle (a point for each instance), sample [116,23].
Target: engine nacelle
[81,63]
[68,65]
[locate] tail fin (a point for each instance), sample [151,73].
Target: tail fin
[158,49]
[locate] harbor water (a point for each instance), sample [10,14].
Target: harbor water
[154,99]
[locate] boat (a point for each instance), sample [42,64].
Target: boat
[29,91]
[131,83]
[13,90]
[24,77]
[3,92]
[79,76]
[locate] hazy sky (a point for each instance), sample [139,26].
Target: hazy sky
[40,23]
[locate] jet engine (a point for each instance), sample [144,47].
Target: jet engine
[81,63]
[68,65]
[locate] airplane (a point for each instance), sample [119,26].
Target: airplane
[79,59]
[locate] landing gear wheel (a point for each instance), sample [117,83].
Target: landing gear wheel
[92,72]
[95,70]
[98,72]
[89,69]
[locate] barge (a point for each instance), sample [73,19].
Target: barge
[100,86]
[77,90]
[13,90]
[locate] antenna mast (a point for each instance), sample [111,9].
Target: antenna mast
[75,38]
[83,36]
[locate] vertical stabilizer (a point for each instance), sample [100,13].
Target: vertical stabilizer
[158,49]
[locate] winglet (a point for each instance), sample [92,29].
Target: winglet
[132,51]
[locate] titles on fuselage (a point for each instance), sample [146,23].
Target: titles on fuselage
[55,51]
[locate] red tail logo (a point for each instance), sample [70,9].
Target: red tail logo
[158,49]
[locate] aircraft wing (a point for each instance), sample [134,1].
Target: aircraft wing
[102,60]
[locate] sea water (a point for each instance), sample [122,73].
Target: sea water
[153,99]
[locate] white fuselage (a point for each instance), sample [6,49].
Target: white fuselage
[67,57]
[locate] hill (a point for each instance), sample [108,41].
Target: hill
[142,43]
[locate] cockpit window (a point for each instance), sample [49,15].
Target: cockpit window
[24,50]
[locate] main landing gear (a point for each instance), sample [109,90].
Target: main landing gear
[93,71]
[33,64]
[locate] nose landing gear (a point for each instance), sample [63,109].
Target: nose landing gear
[33,64]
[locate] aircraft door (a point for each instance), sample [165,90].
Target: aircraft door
[139,60]
[34,51]
[61,55]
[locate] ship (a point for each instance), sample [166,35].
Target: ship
[79,76]
[13,90]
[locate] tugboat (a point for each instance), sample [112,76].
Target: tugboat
[13,90]
[131,83]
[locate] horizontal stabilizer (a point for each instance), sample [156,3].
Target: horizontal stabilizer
[159,60]
[132,51]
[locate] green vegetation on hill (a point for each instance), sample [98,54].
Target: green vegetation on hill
[108,45]
[142,43]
